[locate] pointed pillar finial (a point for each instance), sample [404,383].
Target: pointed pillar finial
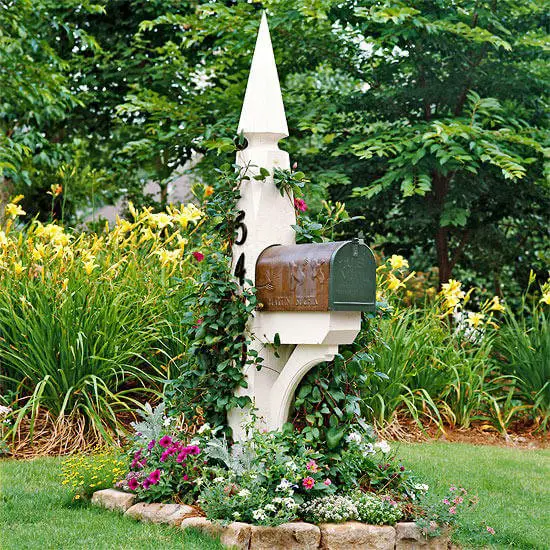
[263,111]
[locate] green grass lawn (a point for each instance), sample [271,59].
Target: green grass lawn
[36,512]
[513,487]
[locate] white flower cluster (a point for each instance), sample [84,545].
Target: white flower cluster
[278,508]
[383,446]
[357,439]
[330,509]
[376,510]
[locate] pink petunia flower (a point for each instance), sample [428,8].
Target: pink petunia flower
[308,483]
[452,488]
[146,484]
[133,484]
[181,456]
[458,500]
[312,466]
[446,501]
[154,477]
[199,256]
[327,482]
[185,477]
[300,204]
[193,450]
[452,510]
[165,441]
[151,444]
[165,455]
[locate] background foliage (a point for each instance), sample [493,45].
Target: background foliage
[426,117]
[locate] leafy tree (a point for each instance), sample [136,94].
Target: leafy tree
[427,117]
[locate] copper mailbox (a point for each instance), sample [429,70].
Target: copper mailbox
[338,276]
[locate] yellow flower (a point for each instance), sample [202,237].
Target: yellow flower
[18,268]
[64,284]
[475,319]
[181,242]
[393,282]
[496,305]
[13,210]
[168,256]
[398,262]
[546,298]
[186,215]
[208,190]
[3,239]
[89,266]
[55,189]
[452,288]
[53,233]
[160,220]
[38,252]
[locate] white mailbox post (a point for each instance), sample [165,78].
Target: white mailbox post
[307,337]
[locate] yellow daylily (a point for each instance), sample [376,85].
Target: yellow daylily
[3,239]
[475,319]
[393,282]
[13,210]
[160,220]
[496,305]
[168,256]
[89,266]
[398,262]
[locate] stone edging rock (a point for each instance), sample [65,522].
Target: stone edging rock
[351,535]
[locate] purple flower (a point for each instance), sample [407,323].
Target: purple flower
[133,484]
[146,484]
[181,456]
[185,477]
[154,477]
[165,441]
[137,455]
[151,444]
[164,455]
[193,450]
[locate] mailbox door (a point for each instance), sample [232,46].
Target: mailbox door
[352,278]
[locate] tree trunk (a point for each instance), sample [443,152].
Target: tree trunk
[440,186]
[442,250]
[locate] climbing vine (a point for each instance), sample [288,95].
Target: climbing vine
[216,316]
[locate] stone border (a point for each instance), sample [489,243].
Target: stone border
[351,535]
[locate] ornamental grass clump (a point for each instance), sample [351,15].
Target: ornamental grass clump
[89,323]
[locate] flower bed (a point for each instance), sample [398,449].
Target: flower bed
[280,484]
[287,536]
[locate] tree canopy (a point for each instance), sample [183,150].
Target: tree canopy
[428,118]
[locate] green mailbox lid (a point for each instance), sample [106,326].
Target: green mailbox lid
[352,285]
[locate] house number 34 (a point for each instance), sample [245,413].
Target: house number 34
[240,271]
